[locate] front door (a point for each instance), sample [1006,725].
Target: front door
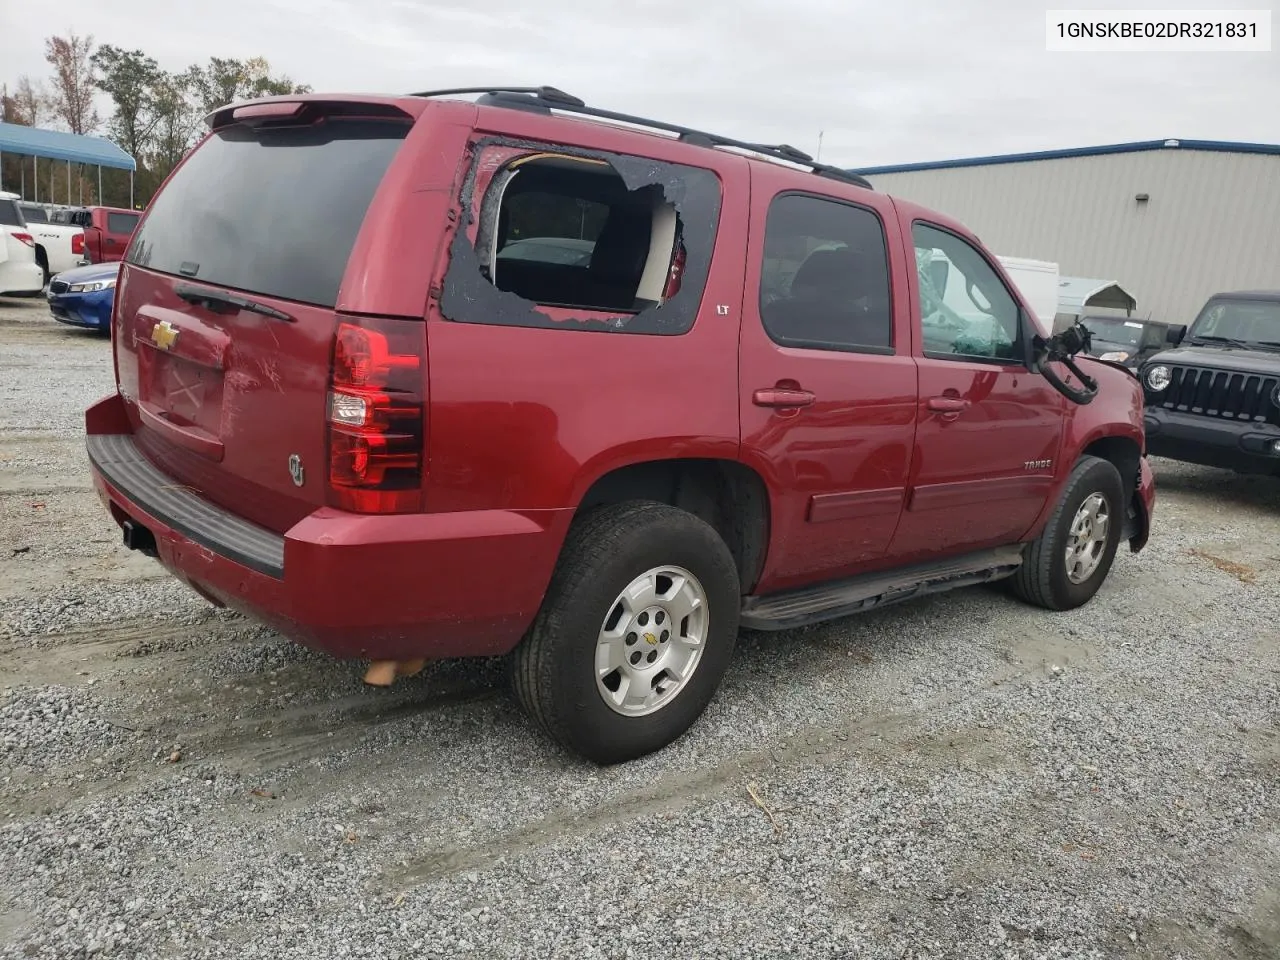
[828,386]
[988,429]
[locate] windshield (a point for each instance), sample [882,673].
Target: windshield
[35,215]
[1114,330]
[1249,321]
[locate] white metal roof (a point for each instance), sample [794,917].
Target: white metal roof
[1077,293]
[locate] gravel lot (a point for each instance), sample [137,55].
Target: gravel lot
[960,777]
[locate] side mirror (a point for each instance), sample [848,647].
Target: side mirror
[1177,331]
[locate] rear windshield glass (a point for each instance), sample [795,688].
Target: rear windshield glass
[35,215]
[10,216]
[274,212]
[121,222]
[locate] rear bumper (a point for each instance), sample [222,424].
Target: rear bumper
[382,587]
[1212,442]
[19,276]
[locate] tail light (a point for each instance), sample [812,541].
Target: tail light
[77,243]
[26,238]
[676,273]
[376,412]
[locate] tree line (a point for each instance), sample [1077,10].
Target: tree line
[156,115]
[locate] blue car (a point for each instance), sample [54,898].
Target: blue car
[83,296]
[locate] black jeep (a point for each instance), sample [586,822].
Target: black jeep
[1214,398]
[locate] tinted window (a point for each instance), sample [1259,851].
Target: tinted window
[273,211]
[121,222]
[966,310]
[825,277]
[10,215]
[35,215]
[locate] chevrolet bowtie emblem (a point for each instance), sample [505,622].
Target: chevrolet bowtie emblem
[164,335]
[649,638]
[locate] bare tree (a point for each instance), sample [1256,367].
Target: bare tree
[74,83]
[30,103]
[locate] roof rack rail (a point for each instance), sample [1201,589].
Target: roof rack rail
[545,99]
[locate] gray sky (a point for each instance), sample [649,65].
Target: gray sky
[924,80]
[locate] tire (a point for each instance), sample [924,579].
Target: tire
[1044,579]
[554,670]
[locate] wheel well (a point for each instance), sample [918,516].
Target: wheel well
[1124,454]
[42,256]
[729,496]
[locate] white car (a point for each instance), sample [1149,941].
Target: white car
[59,246]
[20,272]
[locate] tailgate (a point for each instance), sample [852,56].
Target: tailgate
[225,319]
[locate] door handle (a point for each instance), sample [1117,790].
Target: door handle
[782,397]
[947,404]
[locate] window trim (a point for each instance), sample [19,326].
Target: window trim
[467,295]
[892,349]
[1019,345]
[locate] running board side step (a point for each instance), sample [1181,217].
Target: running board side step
[830,601]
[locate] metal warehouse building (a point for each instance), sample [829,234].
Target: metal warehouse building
[1172,221]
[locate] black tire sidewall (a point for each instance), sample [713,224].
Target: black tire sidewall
[585,720]
[1093,476]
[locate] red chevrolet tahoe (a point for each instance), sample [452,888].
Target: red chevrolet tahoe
[422,377]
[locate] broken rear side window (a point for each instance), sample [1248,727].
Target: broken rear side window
[585,241]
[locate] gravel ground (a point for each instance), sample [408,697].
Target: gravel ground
[960,777]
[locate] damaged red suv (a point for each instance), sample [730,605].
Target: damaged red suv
[421,377]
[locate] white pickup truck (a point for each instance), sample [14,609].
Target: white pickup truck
[59,246]
[19,272]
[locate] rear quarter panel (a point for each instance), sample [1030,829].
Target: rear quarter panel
[529,417]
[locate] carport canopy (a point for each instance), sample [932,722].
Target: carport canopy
[1076,294]
[56,145]
[41,144]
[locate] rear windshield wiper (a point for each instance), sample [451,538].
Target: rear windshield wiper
[214,298]
[1230,341]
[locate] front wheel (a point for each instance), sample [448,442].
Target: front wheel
[634,635]
[1066,565]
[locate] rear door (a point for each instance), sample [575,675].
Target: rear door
[988,429]
[828,384]
[227,400]
[115,229]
